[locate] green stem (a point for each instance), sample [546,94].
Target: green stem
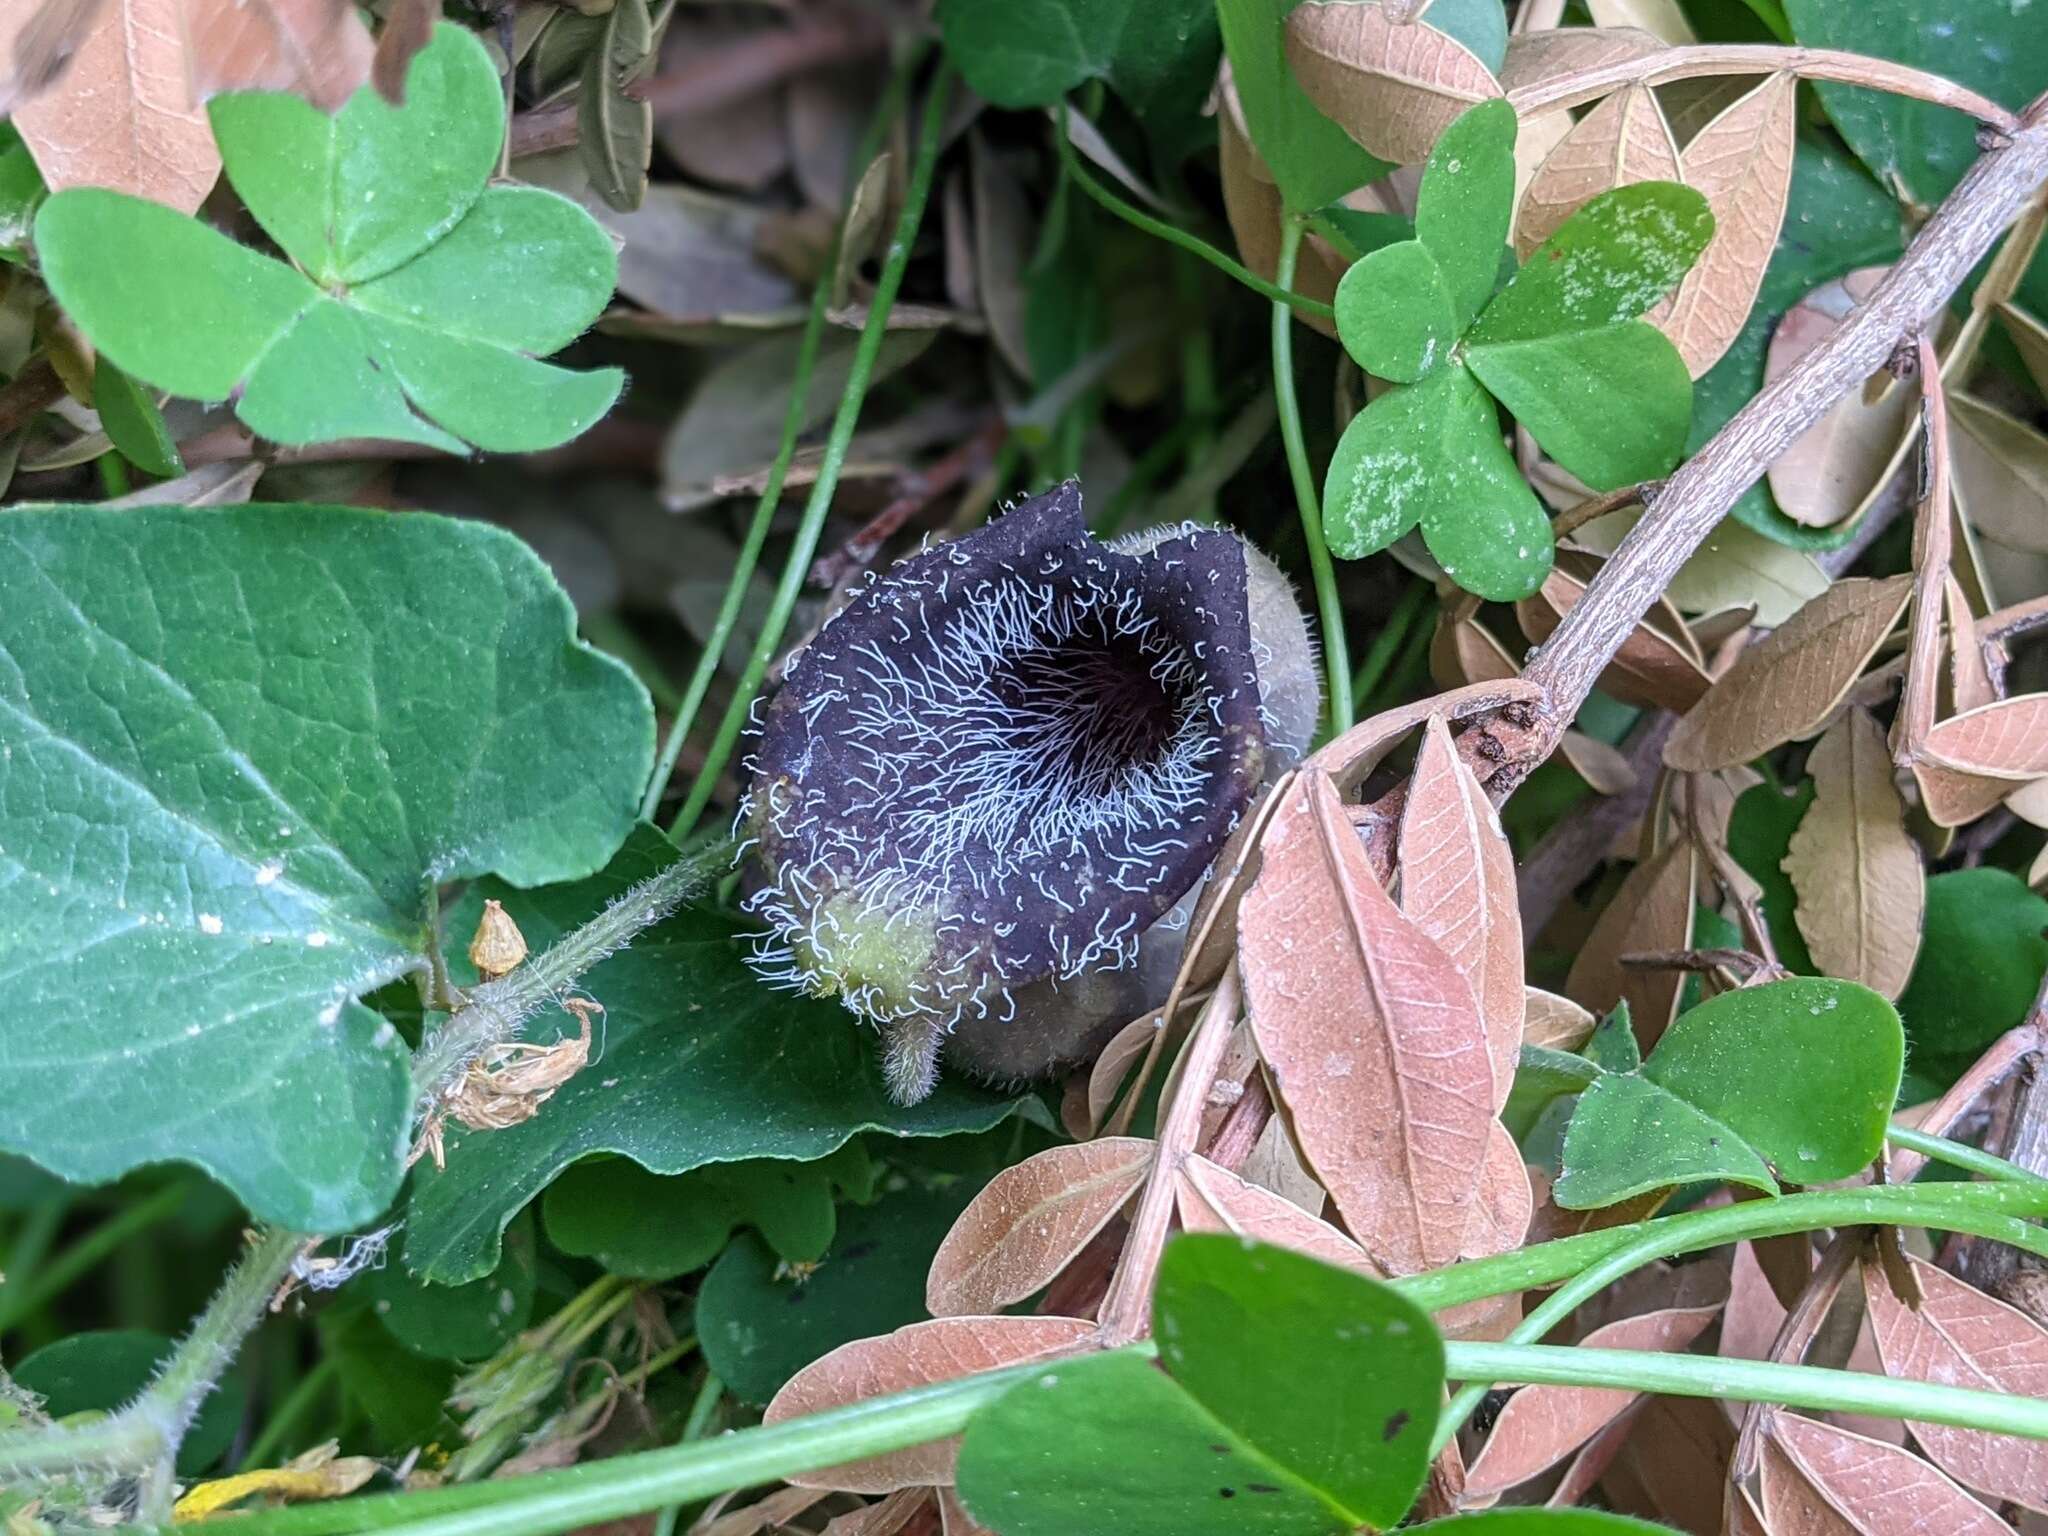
[20,1301]
[793,418]
[705,1405]
[1131,214]
[1877,1205]
[25,1254]
[1984,1210]
[805,547]
[146,1434]
[285,1418]
[1940,1149]
[1336,656]
[629,1485]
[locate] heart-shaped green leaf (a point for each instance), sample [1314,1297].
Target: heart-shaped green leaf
[1612,405]
[1610,261]
[421,297]
[1395,314]
[1467,201]
[1798,1075]
[238,749]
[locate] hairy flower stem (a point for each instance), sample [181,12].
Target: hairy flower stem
[1329,606]
[770,501]
[931,133]
[496,1011]
[142,1439]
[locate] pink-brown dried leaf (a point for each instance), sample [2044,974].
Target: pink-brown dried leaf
[1213,1199]
[1030,1221]
[1373,1039]
[1458,886]
[941,1350]
[1960,1337]
[1621,141]
[1393,87]
[1820,1480]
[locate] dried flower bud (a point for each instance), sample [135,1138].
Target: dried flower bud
[499,946]
[1006,760]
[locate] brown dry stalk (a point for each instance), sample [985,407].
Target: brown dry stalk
[1670,64]
[1123,1316]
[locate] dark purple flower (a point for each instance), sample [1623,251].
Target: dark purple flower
[1005,761]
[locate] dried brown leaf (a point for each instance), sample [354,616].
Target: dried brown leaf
[1458,885]
[2031,337]
[1960,1337]
[1783,688]
[1742,163]
[316,48]
[1554,1022]
[1969,678]
[1622,140]
[1653,910]
[1125,1049]
[408,27]
[1374,1040]
[941,1350]
[1970,762]
[2001,474]
[1658,665]
[1854,867]
[124,115]
[1251,203]
[1213,1199]
[1677,1458]
[1392,87]
[1534,58]
[1542,1425]
[1606,770]
[1030,1221]
[37,44]
[1275,1163]
[1753,1316]
[1838,461]
[1463,651]
[1504,1202]
[1819,1480]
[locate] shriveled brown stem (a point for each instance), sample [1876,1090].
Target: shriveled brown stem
[1761,59]
[25,397]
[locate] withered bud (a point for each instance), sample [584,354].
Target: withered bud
[499,946]
[1004,763]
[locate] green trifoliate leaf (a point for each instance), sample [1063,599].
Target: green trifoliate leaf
[238,750]
[1611,405]
[1431,453]
[429,296]
[1395,314]
[1467,201]
[1797,1076]
[1610,261]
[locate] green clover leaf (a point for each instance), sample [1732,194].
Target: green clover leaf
[1602,391]
[418,299]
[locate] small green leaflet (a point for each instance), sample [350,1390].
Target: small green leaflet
[133,422]
[1313,160]
[238,749]
[1603,392]
[1297,1398]
[700,1063]
[1796,1076]
[418,298]
[1159,55]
